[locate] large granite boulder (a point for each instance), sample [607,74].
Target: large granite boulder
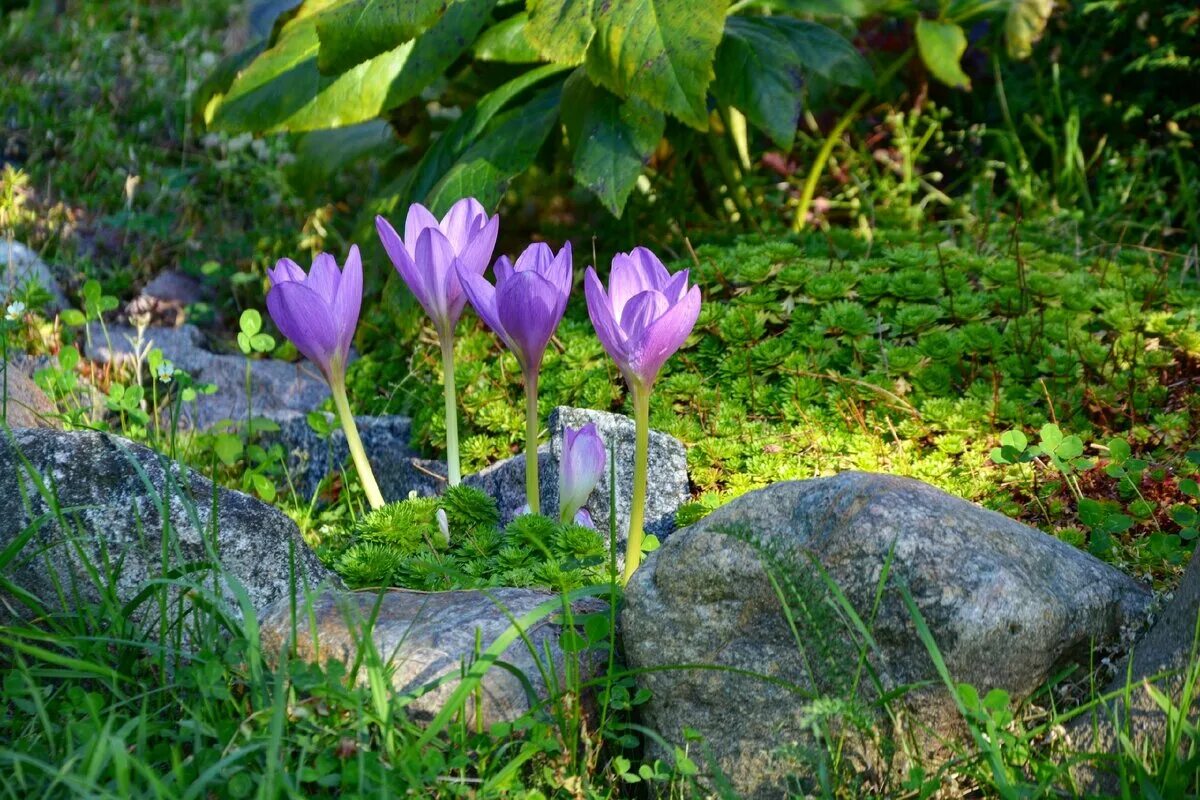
[99,502]
[1160,658]
[667,476]
[428,637]
[1007,606]
[279,389]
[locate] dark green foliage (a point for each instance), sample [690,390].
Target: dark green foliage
[328,66]
[401,545]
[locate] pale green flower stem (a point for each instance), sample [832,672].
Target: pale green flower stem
[453,465]
[532,426]
[641,463]
[361,464]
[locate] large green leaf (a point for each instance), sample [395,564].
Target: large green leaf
[283,89]
[825,52]
[561,30]
[760,74]
[941,45]
[659,50]
[356,30]
[212,90]
[612,138]
[506,41]
[442,154]
[507,149]
[1024,25]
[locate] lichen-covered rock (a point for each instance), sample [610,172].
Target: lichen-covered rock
[1007,605]
[426,636]
[279,389]
[667,476]
[1162,657]
[113,503]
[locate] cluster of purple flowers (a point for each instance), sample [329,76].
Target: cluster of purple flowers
[645,315]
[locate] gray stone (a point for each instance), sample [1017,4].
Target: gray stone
[397,468]
[173,286]
[667,474]
[280,390]
[115,502]
[1162,658]
[164,301]
[505,481]
[427,636]
[1007,605]
[25,405]
[22,265]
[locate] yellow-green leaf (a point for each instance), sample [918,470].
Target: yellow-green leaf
[561,30]
[284,90]
[941,45]
[1025,24]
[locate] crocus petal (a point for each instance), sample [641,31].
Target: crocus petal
[651,266]
[525,305]
[306,320]
[402,260]
[559,272]
[286,270]
[600,310]
[664,336]
[503,269]
[435,263]
[536,258]
[483,299]
[348,301]
[476,255]
[583,518]
[418,219]
[641,311]
[676,287]
[324,276]
[462,222]
[628,278]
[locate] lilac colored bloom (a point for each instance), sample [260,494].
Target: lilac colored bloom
[646,315]
[432,252]
[583,518]
[579,468]
[527,302]
[318,312]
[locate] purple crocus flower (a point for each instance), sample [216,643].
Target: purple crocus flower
[646,315]
[524,309]
[430,258]
[527,302]
[427,256]
[579,469]
[318,311]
